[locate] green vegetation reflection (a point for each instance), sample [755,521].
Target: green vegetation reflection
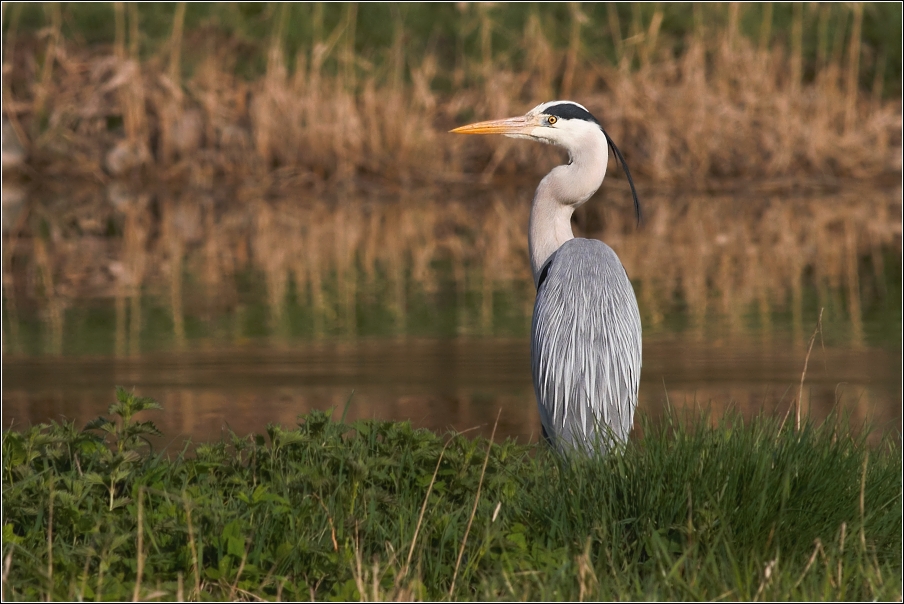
[147,323]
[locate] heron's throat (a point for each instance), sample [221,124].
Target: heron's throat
[560,192]
[550,228]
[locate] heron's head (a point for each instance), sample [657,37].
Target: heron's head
[563,123]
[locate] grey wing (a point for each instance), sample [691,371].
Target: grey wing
[586,346]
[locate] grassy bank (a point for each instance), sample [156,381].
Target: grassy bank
[376,510]
[341,92]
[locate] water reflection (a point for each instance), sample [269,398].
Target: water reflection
[439,384]
[247,307]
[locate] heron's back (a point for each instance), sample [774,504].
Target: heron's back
[585,346]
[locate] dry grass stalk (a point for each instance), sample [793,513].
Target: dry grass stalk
[139,571]
[464,539]
[50,541]
[49,57]
[7,564]
[588,582]
[196,567]
[420,517]
[234,588]
[841,553]
[863,503]
[9,104]
[574,47]
[853,69]
[329,519]
[803,374]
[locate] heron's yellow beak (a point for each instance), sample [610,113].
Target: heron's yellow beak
[512,125]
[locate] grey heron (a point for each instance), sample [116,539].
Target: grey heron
[585,333]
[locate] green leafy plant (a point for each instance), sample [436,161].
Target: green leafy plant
[696,509]
[116,465]
[126,433]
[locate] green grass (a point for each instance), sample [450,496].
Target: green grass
[739,510]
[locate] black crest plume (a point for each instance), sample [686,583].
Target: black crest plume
[570,111]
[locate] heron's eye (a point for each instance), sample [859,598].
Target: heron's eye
[552,120]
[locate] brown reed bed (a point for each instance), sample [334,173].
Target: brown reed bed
[724,108]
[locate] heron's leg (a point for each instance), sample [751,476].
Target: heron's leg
[546,436]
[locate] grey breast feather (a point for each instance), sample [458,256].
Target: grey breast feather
[585,346]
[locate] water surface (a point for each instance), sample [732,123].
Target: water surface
[235,315]
[440,384]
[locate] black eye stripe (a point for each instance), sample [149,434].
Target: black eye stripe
[570,111]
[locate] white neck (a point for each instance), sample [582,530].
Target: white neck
[560,192]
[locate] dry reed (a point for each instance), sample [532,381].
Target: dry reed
[723,109]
